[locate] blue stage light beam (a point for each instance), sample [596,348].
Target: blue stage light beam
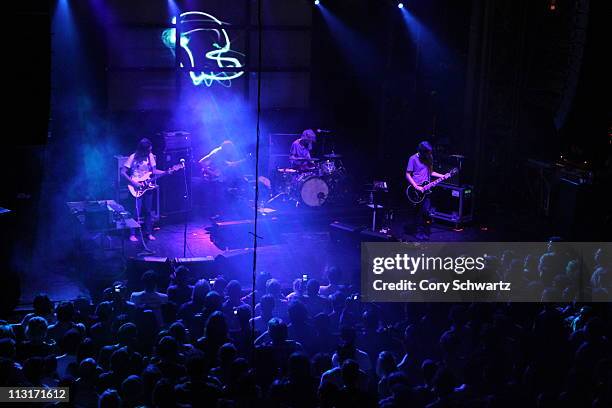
[67,54]
[359,50]
[173,9]
[430,51]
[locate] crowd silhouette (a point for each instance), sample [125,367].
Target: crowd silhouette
[218,343]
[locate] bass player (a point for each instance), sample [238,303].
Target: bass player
[418,172]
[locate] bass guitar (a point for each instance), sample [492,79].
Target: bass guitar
[147,181]
[415,196]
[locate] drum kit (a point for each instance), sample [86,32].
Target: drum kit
[314,183]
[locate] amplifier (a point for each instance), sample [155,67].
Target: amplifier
[452,203]
[176,140]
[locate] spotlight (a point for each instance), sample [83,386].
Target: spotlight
[400,5]
[316,2]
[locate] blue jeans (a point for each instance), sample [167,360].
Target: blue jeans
[144,207]
[421,216]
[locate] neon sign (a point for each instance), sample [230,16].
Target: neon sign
[219,52]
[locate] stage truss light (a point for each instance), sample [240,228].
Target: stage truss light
[400,5]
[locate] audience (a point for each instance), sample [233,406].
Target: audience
[65,315]
[266,307]
[321,347]
[180,290]
[150,297]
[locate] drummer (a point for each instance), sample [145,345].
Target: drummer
[299,155]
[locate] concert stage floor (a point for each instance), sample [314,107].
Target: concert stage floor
[304,248]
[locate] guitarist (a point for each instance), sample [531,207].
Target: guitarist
[223,171]
[418,171]
[221,163]
[137,164]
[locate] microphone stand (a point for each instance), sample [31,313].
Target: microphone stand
[185,201]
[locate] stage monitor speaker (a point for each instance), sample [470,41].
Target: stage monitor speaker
[344,235]
[172,187]
[375,236]
[352,236]
[236,264]
[239,233]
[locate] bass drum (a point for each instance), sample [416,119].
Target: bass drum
[314,191]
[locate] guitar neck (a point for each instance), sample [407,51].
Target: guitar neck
[169,171]
[437,181]
[156,176]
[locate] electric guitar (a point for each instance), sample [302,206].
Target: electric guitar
[147,180]
[221,171]
[415,196]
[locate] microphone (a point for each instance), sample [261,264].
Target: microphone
[324,131]
[182,161]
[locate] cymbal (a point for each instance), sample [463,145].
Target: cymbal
[305,159]
[457,156]
[287,170]
[175,133]
[332,156]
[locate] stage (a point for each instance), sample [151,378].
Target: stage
[304,243]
